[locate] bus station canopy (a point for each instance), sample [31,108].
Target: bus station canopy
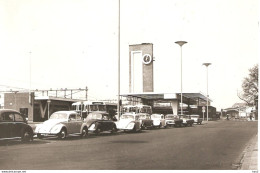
[166,96]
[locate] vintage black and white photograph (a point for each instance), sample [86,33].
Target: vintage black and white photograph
[125,85]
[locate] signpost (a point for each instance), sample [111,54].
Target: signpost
[203,111]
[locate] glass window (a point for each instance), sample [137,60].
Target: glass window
[18,117]
[7,117]
[156,116]
[105,117]
[78,117]
[72,117]
[58,116]
[94,115]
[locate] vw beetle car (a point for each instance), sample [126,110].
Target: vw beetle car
[173,120]
[187,121]
[196,119]
[14,125]
[129,122]
[99,121]
[146,120]
[158,120]
[62,124]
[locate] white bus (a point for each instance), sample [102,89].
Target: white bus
[86,107]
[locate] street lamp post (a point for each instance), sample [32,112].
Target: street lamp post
[118,94]
[181,43]
[207,64]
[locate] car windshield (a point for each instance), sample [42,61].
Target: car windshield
[155,116]
[94,116]
[93,107]
[127,117]
[59,116]
[102,107]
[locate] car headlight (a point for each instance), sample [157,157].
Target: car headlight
[131,125]
[37,128]
[55,129]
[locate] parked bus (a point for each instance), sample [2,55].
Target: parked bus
[86,107]
[137,109]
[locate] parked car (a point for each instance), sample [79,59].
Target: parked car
[146,120]
[62,124]
[196,119]
[14,125]
[158,120]
[187,121]
[173,120]
[129,122]
[99,121]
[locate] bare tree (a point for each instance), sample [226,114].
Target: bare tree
[250,87]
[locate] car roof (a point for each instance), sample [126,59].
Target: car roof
[100,112]
[66,112]
[8,110]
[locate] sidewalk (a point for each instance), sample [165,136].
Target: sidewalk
[250,157]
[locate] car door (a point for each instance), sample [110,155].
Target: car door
[106,124]
[18,125]
[6,121]
[78,123]
[71,126]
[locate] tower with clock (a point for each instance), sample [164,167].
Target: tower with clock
[141,68]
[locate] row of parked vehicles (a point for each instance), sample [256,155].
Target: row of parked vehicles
[64,123]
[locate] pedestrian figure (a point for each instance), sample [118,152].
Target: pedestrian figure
[250,116]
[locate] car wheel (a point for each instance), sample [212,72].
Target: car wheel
[134,129]
[98,130]
[84,132]
[113,129]
[62,134]
[27,136]
[39,136]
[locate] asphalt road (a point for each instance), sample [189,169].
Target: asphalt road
[214,146]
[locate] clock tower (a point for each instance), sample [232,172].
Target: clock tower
[141,68]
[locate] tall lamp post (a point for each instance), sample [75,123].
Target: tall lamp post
[118,94]
[207,64]
[181,43]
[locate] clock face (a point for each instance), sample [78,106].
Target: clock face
[147,59]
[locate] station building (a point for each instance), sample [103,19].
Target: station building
[141,87]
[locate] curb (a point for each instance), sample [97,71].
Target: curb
[249,159]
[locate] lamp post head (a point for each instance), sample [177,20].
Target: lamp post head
[180,43]
[206,64]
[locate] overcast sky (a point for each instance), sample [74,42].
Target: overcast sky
[74,44]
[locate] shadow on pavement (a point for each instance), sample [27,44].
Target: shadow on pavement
[11,142]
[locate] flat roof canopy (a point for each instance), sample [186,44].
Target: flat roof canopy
[56,98]
[165,96]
